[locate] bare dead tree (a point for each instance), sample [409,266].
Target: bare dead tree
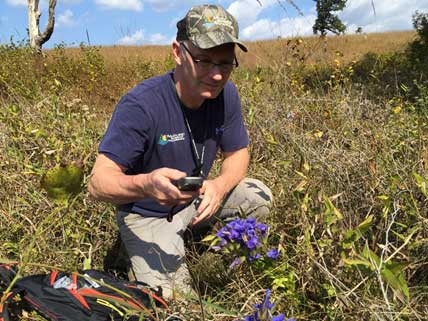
[37,39]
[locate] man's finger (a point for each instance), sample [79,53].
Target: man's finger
[204,204]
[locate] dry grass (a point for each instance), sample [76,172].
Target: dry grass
[309,142]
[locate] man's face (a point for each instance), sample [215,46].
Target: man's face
[207,70]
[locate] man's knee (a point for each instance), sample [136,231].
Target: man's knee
[259,196]
[252,197]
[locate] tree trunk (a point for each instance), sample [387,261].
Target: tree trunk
[37,39]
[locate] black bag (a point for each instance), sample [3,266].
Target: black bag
[89,295]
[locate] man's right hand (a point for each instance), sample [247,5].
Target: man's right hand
[158,186]
[108,182]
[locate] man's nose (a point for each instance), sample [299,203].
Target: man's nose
[215,73]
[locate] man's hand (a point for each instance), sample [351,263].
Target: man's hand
[158,186]
[214,194]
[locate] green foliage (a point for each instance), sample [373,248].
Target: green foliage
[62,181]
[326,19]
[420,23]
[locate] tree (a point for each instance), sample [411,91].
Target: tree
[37,39]
[420,23]
[326,20]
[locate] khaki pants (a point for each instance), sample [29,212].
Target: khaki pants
[156,246]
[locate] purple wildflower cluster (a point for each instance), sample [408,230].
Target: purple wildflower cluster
[244,237]
[263,311]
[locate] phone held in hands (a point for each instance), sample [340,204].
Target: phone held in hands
[189,183]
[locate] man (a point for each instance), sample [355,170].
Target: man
[169,127]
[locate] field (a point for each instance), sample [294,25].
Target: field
[338,130]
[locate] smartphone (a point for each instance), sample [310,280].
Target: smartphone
[189,183]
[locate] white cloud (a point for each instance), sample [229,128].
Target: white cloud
[161,5]
[134,39]
[66,19]
[287,27]
[158,39]
[390,15]
[247,11]
[134,5]
[139,38]
[17,2]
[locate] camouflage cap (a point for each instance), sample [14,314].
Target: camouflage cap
[208,26]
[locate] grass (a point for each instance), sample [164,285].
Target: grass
[348,167]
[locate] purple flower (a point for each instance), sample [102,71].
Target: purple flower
[263,311]
[243,237]
[262,228]
[273,254]
[235,262]
[279,317]
[253,242]
[254,257]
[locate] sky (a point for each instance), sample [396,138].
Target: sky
[143,22]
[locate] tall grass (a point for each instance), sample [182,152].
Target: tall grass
[348,167]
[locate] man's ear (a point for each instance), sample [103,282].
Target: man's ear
[176,52]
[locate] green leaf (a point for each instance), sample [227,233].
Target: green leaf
[62,181]
[332,214]
[285,163]
[87,262]
[209,238]
[396,281]
[371,257]
[365,225]
[421,182]
[350,237]
[352,262]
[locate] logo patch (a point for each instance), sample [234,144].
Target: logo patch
[170,138]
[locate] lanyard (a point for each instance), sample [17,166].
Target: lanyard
[199,160]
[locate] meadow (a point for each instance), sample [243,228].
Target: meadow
[338,130]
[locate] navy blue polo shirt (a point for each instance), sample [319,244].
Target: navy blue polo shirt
[147,131]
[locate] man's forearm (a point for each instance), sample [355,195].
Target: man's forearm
[116,188]
[109,183]
[233,169]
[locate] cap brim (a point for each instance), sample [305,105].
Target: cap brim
[216,38]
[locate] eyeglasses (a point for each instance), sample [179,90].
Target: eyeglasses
[206,65]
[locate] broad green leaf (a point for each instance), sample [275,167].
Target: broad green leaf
[332,214]
[395,281]
[7,261]
[357,262]
[209,238]
[365,225]
[285,163]
[87,263]
[62,181]
[350,237]
[421,182]
[383,197]
[371,256]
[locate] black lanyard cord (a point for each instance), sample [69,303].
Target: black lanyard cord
[199,160]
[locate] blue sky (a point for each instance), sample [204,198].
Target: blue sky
[137,22]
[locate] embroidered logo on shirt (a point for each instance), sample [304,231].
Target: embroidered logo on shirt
[170,138]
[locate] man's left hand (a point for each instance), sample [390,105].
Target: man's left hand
[213,195]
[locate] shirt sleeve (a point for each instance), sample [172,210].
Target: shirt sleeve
[235,134]
[126,137]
